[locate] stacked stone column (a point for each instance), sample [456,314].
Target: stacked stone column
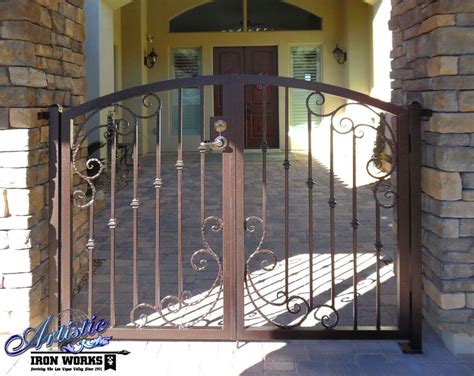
[41,63]
[433,63]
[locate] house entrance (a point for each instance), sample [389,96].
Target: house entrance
[252,60]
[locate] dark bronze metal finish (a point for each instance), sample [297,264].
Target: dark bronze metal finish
[112,133]
[90,248]
[310,184]
[286,166]
[414,117]
[55,179]
[355,226]
[234,278]
[332,217]
[158,183]
[44,115]
[179,168]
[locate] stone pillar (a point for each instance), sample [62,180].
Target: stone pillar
[41,63]
[433,63]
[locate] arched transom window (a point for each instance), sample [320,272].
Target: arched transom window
[228,16]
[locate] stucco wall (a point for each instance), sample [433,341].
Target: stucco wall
[345,22]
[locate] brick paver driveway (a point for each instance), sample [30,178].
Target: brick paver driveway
[268,283]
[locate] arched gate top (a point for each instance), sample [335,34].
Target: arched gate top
[233,79]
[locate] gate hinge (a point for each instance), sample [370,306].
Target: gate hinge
[43,115]
[425,114]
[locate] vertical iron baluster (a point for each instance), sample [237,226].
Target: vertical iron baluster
[355,225]
[264,147]
[202,151]
[158,183]
[179,168]
[286,165]
[310,184]
[90,248]
[113,220]
[135,205]
[378,249]
[332,206]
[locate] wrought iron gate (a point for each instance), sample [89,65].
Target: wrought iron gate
[318,240]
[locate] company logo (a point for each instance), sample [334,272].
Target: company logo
[77,333]
[80,332]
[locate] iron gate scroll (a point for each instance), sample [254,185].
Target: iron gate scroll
[318,240]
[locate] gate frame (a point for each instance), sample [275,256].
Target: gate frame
[409,234]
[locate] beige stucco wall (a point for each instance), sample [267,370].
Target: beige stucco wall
[381,48]
[345,22]
[132,45]
[358,35]
[100,54]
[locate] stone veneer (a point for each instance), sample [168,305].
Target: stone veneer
[433,63]
[41,63]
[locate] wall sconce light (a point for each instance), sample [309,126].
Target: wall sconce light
[150,59]
[339,55]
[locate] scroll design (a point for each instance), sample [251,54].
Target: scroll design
[121,126]
[327,315]
[383,191]
[294,304]
[382,188]
[174,303]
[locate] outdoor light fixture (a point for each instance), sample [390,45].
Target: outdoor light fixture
[150,59]
[339,55]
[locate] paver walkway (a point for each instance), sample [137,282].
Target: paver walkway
[256,358]
[289,358]
[269,283]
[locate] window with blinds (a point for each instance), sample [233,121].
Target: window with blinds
[186,62]
[305,65]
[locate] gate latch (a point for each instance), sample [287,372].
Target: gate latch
[220,142]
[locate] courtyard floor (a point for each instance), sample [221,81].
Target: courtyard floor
[254,358]
[206,301]
[288,358]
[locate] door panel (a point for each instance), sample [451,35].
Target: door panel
[227,60]
[261,60]
[251,60]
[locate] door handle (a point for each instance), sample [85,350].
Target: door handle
[219,143]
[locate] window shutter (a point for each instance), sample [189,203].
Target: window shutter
[305,65]
[186,62]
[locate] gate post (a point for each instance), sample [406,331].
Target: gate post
[55,113]
[60,222]
[414,121]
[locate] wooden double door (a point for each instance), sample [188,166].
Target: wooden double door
[251,60]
